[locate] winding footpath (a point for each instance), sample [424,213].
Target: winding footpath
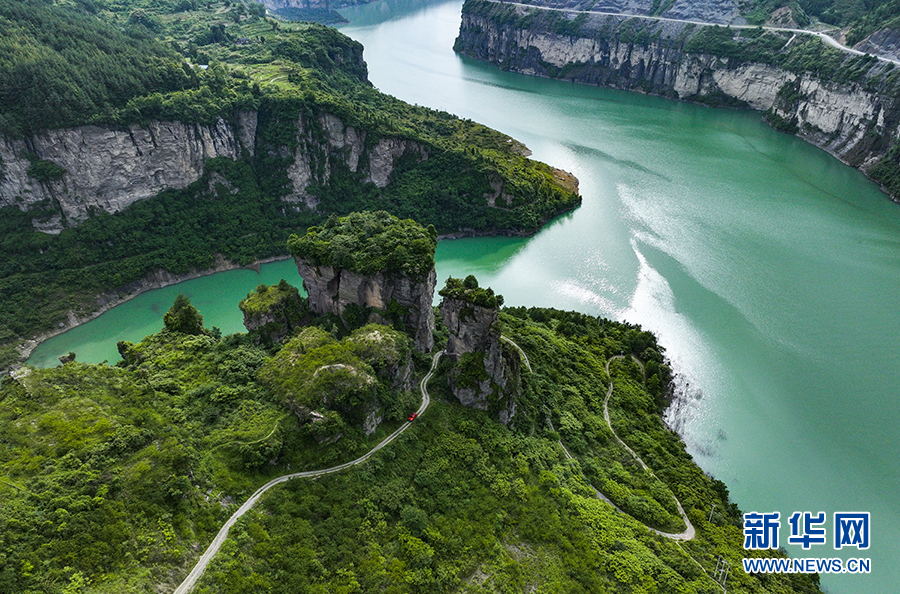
[195,574]
[690,532]
[827,39]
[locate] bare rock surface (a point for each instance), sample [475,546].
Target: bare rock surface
[331,290]
[488,377]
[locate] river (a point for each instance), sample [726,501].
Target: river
[768,270]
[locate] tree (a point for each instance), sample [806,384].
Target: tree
[183,317]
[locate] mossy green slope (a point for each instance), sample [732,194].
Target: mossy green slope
[116,478]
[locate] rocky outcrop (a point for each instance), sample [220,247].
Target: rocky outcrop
[272,313]
[324,143]
[853,122]
[331,290]
[707,11]
[884,42]
[106,169]
[487,373]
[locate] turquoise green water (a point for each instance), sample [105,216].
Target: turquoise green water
[768,269]
[216,296]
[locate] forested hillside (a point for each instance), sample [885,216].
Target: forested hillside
[861,17]
[120,64]
[116,478]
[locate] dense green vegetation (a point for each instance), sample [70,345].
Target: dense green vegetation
[59,63]
[805,54]
[113,478]
[369,242]
[343,381]
[468,290]
[237,211]
[266,297]
[887,170]
[863,17]
[183,317]
[876,15]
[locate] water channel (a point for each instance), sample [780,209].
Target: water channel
[768,269]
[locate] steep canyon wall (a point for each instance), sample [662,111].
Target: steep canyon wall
[855,122]
[105,169]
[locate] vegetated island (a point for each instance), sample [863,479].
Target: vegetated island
[142,142]
[777,57]
[116,478]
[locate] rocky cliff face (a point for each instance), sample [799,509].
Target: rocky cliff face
[884,42]
[272,313]
[325,140]
[853,123]
[707,11]
[332,290]
[106,169]
[487,374]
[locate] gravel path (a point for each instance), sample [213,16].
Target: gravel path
[191,580]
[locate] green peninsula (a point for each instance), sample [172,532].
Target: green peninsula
[117,478]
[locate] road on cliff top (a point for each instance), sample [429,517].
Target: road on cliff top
[824,37]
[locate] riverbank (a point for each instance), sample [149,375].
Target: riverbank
[155,280]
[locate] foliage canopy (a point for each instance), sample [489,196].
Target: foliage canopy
[183,317]
[369,242]
[468,290]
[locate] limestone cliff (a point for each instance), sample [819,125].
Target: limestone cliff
[324,140]
[884,42]
[332,289]
[371,266]
[486,376]
[707,11]
[272,313]
[105,169]
[856,123]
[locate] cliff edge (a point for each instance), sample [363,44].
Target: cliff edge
[371,267]
[847,105]
[486,375]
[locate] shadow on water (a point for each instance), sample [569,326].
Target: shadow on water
[627,163]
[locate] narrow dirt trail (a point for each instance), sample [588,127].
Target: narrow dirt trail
[689,532]
[191,580]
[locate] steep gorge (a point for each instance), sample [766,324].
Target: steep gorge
[105,169]
[856,122]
